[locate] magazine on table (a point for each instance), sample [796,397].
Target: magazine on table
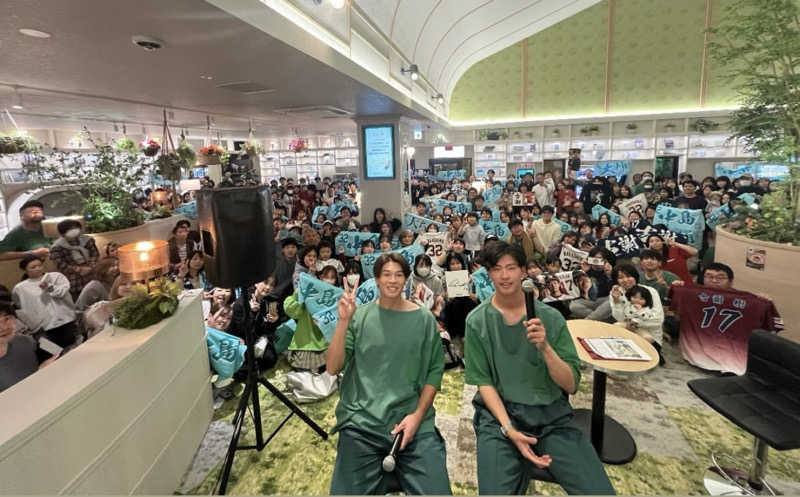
[618,349]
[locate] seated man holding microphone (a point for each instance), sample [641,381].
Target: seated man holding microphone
[522,358]
[393,363]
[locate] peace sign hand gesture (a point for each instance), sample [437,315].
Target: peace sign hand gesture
[347,303]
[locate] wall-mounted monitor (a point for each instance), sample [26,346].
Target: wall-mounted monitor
[377,142]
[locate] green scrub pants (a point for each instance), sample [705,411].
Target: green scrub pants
[502,470]
[421,467]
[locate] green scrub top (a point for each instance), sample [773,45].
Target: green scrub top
[389,357]
[500,355]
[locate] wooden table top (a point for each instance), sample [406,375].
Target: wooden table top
[586,328]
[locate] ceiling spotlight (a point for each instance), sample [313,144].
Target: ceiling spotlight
[439,98]
[34,33]
[413,70]
[203,76]
[337,4]
[17,105]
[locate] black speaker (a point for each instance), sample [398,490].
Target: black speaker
[236,228]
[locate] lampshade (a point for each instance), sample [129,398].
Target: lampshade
[159,196]
[144,260]
[50,225]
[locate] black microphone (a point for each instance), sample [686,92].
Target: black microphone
[389,462]
[528,286]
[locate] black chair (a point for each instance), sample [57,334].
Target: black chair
[765,402]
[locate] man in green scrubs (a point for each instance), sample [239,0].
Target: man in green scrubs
[524,370]
[393,362]
[28,237]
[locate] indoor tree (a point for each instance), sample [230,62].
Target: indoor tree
[758,43]
[102,183]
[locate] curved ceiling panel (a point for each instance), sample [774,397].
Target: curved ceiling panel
[445,37]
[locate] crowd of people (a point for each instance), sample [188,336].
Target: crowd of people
[544,226]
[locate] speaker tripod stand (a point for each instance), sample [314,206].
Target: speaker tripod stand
[250,397]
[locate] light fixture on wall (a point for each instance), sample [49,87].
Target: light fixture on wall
[438,98]
[338,4]
[413,70]
[410,152]
[17,105]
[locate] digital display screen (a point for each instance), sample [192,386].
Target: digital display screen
[378,145]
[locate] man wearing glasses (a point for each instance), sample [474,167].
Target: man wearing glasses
[716,320]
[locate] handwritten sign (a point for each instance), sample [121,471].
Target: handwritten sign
[747,198]
[498,229]
[367,292]
[436,243]
[493,194]
[644,233]
[571,258]
[618,168]
[419,224]
[635,204]
[316,294]
[409,254]
[484,288]
[368,263]
[457,283]
[449,175]
[326,320]
[735,171]
[624,246]
[457,207]
[565,227]
[598,209]
[689,222]
[351,241]
[335,210]
[320,209]
[719,215]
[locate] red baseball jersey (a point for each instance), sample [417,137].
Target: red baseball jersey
[716,325]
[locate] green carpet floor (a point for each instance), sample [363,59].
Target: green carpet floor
[675,434]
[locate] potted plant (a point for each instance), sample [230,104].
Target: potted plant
[703,126]
[187,155]
[669,127]
[169,166]
[594,130]
[631,127]
[125,144]
[254,147]
[210,155]
[584,130]
[18,145]
[150,147]
[147,305]
[761,52]
[104,190]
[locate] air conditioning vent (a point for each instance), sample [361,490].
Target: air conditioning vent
[246,87]
[316,112]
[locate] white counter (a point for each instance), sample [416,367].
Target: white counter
[123,413]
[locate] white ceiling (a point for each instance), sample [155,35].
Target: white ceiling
[445,37]
[90,69]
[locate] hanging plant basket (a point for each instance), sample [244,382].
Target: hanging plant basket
[169,166]
[150,148]
[298,145]
[208,160]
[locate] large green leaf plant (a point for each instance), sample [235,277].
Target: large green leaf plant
[758,44]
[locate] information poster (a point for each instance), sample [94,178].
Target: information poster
[378,142]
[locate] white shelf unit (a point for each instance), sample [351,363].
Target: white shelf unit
[270,167]
[490,156]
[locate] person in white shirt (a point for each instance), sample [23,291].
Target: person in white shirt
[45,303]
[544,192]
[547,232]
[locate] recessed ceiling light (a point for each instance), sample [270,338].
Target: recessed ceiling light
[206,77]
[17,107]
[337,4]
[35,33]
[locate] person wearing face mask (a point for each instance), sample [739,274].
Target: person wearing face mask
[75,255]
[746,186]
[27,238]
[422,275]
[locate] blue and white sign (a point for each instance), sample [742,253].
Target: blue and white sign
[565,227]
[618,168]
[719,215]
[409,254]
[367,292]
[450,175]
[484,288]
[735,171]
[335,211]
[688,222]
[491,195]
[419,224]
[320,209]
[498,229]
[316,294]
[458,207]
[351,241]
[598,209]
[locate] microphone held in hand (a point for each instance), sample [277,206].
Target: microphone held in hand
[528,286]
[389,462]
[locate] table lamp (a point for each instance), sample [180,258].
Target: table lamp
[144,260]
[159,197]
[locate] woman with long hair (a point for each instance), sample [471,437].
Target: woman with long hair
[306,263]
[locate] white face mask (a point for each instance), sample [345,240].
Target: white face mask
[744,183]
[423,272]
[352,280]
[73,233]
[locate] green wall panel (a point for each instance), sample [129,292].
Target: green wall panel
[491,89]
[656,60]
[657,54]
[566,65]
